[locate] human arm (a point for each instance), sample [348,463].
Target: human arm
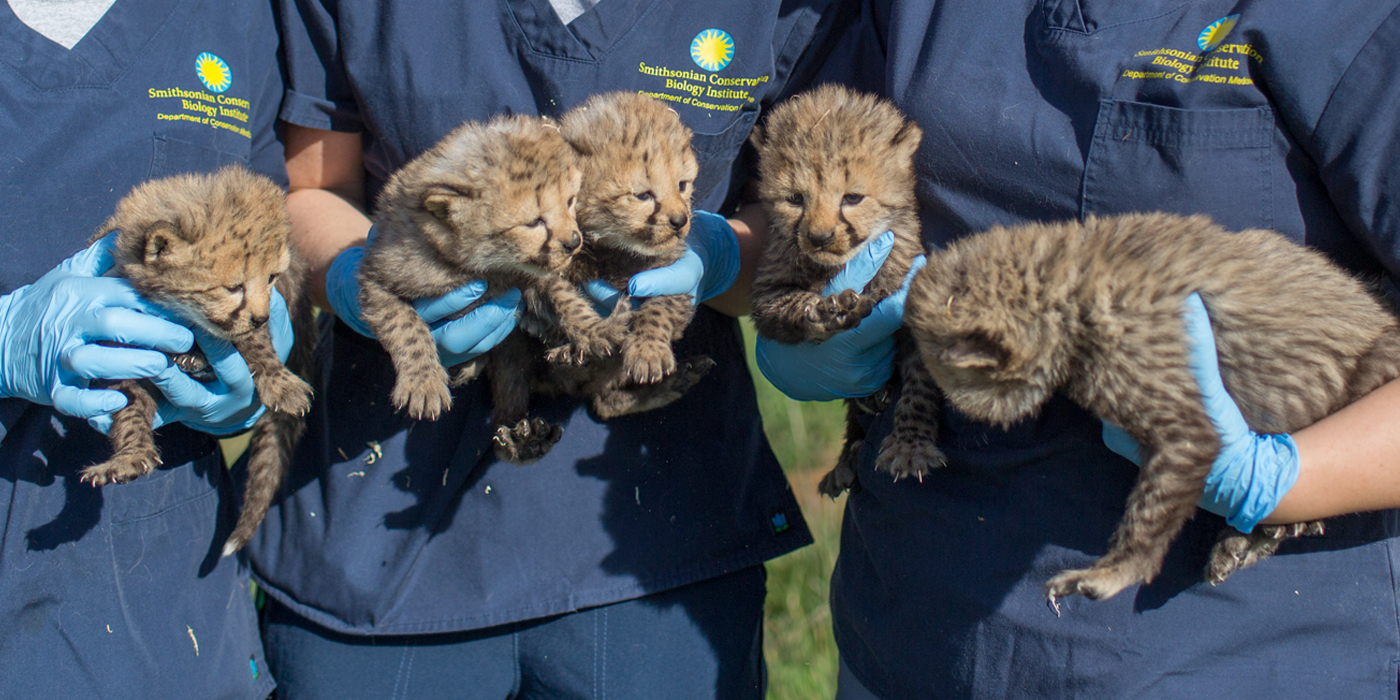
[1347,462]
[330,229]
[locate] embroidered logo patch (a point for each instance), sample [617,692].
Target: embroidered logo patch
[213,72]
[779,522]
[712,49]
[1215,33]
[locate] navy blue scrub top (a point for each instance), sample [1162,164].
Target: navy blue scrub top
[120,591]
[391,526]
[1280,114]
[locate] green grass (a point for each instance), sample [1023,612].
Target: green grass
[797,642]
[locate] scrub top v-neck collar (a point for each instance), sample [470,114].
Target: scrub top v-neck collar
[588,37]
[99,59]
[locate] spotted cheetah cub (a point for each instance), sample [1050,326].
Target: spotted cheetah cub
[634,211]
[494,202]
[836,170]
[211,248]
[1007,317]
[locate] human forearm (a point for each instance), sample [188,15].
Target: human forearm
[1349,461]
[750,226]
[324,224]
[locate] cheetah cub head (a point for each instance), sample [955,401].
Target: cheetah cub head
[207,246]
[639,172]
[835,169]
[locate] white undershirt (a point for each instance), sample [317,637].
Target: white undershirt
[569,9]
[65,22]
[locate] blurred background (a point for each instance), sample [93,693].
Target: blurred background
[797,641]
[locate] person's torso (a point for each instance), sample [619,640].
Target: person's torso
[1048,110]
[393,526]
[121,590]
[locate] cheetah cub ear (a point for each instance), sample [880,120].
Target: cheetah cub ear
[974,351]
[439,201]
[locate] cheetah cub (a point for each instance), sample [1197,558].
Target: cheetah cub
[494,202]
[836,170]
[1007,317]
[634,211]
[211,248]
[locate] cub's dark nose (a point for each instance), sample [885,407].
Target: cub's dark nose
[257,321]
[574,241]
[820,238]
[678,221]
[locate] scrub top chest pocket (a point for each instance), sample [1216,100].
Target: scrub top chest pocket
[1186,161]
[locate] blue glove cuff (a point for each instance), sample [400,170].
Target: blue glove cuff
[343,289]
[713,239]
[1249,488]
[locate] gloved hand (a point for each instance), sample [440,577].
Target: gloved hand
[226,405]
[49,332]
[708,268]
[1252,472]
[458,340]
[851,363]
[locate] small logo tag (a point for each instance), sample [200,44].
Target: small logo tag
[712,49]
[779,521]
[1214,34]
[213,72]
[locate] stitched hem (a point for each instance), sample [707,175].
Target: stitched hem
[573,603]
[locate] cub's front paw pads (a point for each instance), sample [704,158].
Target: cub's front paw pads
[839,480]
[839,312]
[646,362]
[284,392]
[906,456]
[423,397]
[526,441]
[120,469]
[1235,551]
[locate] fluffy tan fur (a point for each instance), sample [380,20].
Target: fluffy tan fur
[836,170]
[634,211]
[1005,318]
[492,202]
[211,248]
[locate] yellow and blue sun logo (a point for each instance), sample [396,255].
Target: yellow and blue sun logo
[712,49]
[1214,34]
[213,72]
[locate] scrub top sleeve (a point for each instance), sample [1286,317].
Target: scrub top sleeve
[267,156]
[318,92]
[1357,144]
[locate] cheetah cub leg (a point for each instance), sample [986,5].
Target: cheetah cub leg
[647,356]
[911,450]
[133,441]
[420,382]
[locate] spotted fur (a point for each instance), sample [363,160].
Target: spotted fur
[1005,318]
[494,202]
[836,170]
[211,248]
[634,212]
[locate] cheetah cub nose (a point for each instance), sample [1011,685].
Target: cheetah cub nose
[821,238]
[678,221]
[574,242]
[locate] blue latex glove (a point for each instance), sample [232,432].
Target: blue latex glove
[226,405]
[1252,472]
[707,270]
[49,332]
[458,340]
[852,363]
